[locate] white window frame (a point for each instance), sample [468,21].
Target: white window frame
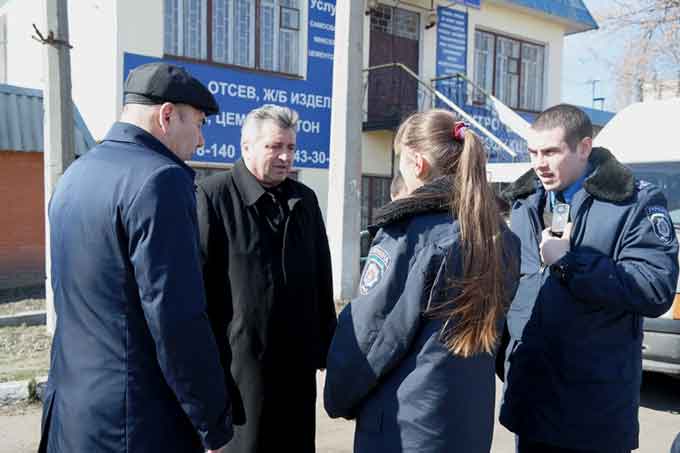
[539,79]
[179,39]
[254,40]
[489,55]
[3,49]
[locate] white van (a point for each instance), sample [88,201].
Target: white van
[646,137]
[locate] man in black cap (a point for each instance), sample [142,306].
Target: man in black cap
[134,365]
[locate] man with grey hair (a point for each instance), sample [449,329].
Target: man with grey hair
[267,271]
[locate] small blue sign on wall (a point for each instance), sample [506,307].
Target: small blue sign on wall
[239,91]
[452,52]
[452,28]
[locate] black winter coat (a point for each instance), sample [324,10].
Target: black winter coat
[273,320]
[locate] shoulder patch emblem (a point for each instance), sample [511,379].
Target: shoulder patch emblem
[377,263]
[661,223]
[642,184]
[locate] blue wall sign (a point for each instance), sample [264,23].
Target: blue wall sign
[239,91]
[452,26]
[488,117]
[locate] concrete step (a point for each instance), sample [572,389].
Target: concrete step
[29,318]
[15,391]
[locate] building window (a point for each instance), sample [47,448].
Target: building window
[484,47]
[396,21]
[510,69]
[258,34]
[186,28]
[3,49]
[375,193]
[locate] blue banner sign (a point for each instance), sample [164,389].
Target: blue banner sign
[488,117]
[452,27]
[239,91]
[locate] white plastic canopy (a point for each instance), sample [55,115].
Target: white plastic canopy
[644,132]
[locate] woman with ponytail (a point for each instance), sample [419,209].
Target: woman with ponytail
[413,354]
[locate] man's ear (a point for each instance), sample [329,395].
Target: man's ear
[245,148]
[586,146]
[164,115]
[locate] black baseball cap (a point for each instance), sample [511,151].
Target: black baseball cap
[156,83]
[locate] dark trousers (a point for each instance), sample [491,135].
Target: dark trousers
[525,445]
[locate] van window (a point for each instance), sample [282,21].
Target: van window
[666,176]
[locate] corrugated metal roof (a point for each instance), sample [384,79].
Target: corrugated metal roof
[597,117]
[21,121]
[573,11]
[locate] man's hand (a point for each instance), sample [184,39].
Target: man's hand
[219,450]
[553,248]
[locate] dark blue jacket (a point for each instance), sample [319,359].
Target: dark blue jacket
[573,366]
[387,365]
[134,365]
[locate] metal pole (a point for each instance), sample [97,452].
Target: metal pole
[639,90]
[469,118]
[594,82]
[58,119]
[344,179]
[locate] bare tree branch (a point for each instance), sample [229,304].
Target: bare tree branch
[651,29]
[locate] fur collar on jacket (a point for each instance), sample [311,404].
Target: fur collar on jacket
[610,180]
[434,196]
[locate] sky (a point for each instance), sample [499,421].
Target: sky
[585,56]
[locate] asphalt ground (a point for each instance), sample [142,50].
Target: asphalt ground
[659,423]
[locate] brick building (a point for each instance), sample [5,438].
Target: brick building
[22,237]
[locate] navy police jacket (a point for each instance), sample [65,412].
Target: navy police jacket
[134,365]
[387,365]
[573,367]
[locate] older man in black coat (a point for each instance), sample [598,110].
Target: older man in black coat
[268,280]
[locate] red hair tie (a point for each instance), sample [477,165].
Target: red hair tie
[459,128]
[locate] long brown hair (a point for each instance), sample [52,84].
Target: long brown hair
[471,318]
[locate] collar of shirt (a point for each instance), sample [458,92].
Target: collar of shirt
[129,133]
[249,186]
[570,191]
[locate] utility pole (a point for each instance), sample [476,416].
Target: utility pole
[59,134]
[593,82]
[639,90]
[344,180]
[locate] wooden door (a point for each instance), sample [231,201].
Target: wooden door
[392,93]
